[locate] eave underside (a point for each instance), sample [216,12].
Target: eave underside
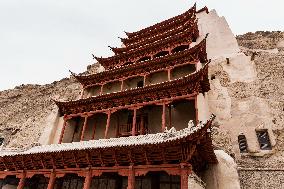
[190,85]
[164,25]
[194,54]
[195,149]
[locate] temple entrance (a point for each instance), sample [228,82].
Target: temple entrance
[36,182]
[157,180]
[69,181]
[109,181]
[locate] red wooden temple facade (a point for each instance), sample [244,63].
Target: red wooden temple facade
[116,135]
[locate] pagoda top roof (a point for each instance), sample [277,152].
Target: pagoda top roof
[155,47]
[189,27]
[161,25]
[183,22]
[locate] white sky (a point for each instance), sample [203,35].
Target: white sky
[40,40]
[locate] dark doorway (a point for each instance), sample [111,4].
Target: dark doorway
[157,180]
[109,181]
[69,181]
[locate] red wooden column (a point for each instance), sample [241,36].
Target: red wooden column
[84,127]
[108,123]
[122,85]
[102,88]
[22,181]
[164,117]
[131,178]
[144,80]
[134,121]
[63,130]
[52,178]
[184,176]
[169,74]
[88,179]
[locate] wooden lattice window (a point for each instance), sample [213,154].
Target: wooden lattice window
[263,139]
[243,146]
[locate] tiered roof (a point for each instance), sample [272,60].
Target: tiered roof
[175,31]
[192,55]
[185,145]
[164,25]
[192,84]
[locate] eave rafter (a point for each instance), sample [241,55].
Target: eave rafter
[132,43]
[196,53]
[164,25]
[193,84]
[136,154]
[135,54]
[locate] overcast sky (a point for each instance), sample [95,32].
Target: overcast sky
[40,40]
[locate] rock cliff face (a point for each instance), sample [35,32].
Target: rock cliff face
[24,109]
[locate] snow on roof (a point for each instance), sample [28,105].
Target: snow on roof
[167,136]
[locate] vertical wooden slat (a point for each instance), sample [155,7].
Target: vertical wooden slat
[134,122]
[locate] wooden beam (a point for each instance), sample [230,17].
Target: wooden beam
[88,179]
[22,181]
[134,122]
[84,127]
[108,123]
[102,88]
[122,85]
[131,178]
[164,118]
[62,131]
[169,74]
[184,173]
[52,179]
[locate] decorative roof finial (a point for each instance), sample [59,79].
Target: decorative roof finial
[206,35]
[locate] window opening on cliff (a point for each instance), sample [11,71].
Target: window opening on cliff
[243,143]
[1,141]
[263,139]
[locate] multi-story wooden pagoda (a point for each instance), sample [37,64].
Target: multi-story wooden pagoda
[131,127]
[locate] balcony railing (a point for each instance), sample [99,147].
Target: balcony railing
[126,129]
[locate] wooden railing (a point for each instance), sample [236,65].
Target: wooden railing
[126,129]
